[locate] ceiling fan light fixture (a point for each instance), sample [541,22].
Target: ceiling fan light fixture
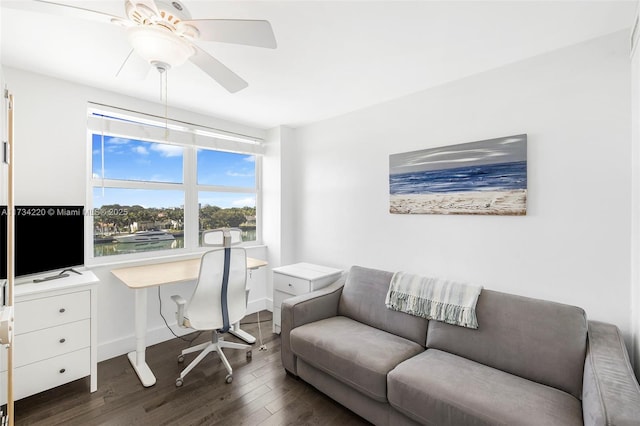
[157,45]
[146,11]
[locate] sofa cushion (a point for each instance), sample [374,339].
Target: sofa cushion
[363,299]
[352,352]
[440,388]
[535,339]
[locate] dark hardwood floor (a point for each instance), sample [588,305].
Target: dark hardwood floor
[261,392]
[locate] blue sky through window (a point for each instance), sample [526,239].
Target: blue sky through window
[134,160]
[226,199]
[226,168]
[129,159]
[141,197]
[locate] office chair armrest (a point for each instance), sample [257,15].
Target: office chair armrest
[180,302]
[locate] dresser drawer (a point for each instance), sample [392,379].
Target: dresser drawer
[290,285]
[51,342]
[52,372]
[36,314]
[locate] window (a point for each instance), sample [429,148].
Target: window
[237,209]
[157,187]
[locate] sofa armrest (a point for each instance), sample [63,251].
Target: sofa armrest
[303,309]
[610,392]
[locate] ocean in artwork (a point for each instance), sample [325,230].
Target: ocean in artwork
[466,178]
[489,177]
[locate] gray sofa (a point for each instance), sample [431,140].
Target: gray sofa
[530,362]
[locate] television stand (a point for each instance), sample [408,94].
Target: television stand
[62,274]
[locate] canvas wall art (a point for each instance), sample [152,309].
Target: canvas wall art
[487,177]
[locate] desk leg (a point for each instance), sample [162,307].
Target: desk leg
[136,358]
[241,334]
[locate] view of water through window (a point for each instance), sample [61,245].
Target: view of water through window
[141,206]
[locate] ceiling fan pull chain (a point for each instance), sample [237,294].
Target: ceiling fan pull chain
[164,97]
[102,154]
[166,105]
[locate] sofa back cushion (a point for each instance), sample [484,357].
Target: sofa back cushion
[363,298]
[535,339]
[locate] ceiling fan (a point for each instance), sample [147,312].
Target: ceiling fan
[163,33]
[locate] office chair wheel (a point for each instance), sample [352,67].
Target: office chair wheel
[229,378]
[249,355]
[179,382]
[180,359]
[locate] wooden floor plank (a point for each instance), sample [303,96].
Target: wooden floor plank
[254,418]
[261,392]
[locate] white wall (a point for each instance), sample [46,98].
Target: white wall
[50,168]
[4,168]
[572,246]
[635,211]
[277,202]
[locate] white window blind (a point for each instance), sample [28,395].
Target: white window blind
[117,122]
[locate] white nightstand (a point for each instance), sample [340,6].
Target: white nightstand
[296,279]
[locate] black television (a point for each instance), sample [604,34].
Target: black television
[47,238]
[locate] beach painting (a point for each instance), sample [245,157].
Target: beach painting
[487,177]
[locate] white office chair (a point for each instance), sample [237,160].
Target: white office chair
[227,237]
[222,237]
[218,301]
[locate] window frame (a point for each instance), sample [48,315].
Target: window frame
[115,123]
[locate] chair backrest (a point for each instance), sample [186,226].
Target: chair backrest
[206,309]
[222,237]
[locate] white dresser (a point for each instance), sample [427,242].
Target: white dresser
[55,335]
[297,279]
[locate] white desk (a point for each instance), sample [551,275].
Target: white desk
[140,278]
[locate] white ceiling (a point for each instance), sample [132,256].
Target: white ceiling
[333,57]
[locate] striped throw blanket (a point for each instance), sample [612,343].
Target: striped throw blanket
[434,299]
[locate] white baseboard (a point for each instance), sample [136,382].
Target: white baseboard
[124,345]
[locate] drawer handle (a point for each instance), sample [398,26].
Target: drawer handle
[62,310]
[63,340]
[62,370]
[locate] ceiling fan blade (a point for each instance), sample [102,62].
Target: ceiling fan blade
[66,10]
[238,31]
[218,71]
[133,67]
